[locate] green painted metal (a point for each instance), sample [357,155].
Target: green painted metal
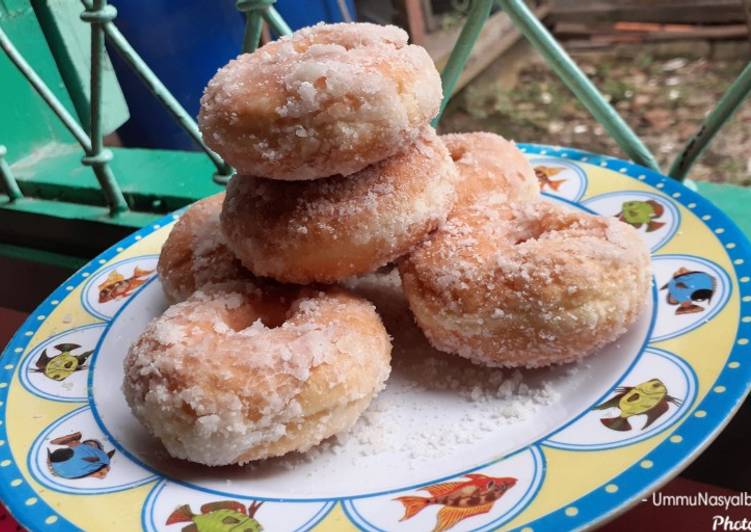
[65,228]
[95,156]
[479,12]
[577,82]
[44,91]
[738,91]
[256,11]
[98,157]
[253,10]
[276,22]
[24,123]
[732,200]
[63,211]
[153,181]
[10,185]
[162,93]
[68,41]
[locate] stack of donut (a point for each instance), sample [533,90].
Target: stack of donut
[339,173]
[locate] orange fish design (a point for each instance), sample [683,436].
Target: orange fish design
[460,500]
[544,173]
[116,285]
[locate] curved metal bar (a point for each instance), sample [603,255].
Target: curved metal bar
[478,14]
[577,82]
[738,91]
[10,185]
[161,92]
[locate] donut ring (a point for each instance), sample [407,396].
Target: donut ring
[327,100]
[195,252]
[235,374]
[330,229]
[489,164]
[527,284]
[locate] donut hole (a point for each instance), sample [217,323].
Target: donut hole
[272,312]
[529,232]
[320,83]
[542,223]
[457,152]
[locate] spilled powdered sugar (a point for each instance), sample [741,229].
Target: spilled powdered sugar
[490,402]
[435,405]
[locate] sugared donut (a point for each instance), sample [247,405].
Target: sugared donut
[195,252]
[235,373]
[330,229]
[526,284]
[488,165]
[327,100]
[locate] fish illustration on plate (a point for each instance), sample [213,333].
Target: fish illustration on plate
[638,213]
[78,459]
[62,365]
[650,398]
[220,516]
[116,285]
[544,173]
[687,288]
[460,500]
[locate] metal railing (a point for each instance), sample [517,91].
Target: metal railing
[101,15]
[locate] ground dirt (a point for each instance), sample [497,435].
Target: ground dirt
[662,92]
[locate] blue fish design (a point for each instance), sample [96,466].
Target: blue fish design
[687,287]
[78,459]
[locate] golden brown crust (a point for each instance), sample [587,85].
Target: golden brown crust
[330,229]
[329,99]
[526,284]
[238,373]
[489,165]
[195,252]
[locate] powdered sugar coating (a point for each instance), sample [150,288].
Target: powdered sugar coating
[330,229]
[489,165]
[237,373]
[195,252]
[527,284]
[327,100]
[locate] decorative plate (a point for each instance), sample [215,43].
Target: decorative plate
[549,449]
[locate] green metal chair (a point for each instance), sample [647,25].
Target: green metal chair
[56,213]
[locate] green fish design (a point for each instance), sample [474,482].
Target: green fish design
[220,516]
[61,366]
[637,213]
[650,398]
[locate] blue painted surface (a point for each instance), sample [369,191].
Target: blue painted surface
[297,16]
[183,54]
